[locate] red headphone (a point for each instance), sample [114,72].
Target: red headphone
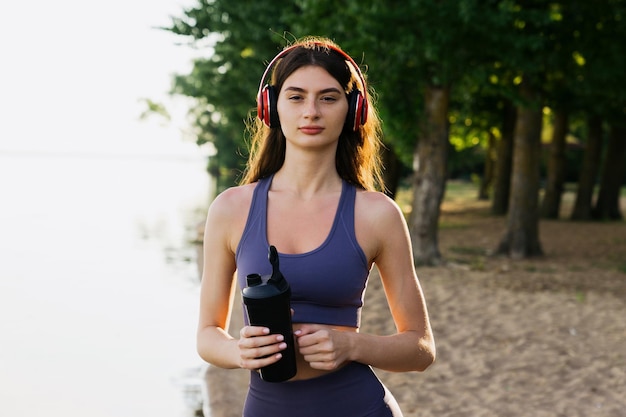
[267,96]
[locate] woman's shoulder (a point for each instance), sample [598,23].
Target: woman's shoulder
[377,220]
[235,194]
[377,204]
[228,214]
[232,201]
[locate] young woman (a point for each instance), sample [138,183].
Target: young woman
[309,190]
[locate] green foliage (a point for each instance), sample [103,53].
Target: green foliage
[154,108]
[239,37]
[571,51]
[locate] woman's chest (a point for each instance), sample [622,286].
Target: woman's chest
[299,227]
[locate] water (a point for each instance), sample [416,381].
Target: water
[99,285]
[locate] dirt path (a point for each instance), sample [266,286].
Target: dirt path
[534,338]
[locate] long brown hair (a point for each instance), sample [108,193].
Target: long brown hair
[357,159]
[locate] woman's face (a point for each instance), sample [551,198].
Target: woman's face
[312,107]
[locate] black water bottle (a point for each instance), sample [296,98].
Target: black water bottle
[267,301]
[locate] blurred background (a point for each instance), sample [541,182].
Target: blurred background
[98,212]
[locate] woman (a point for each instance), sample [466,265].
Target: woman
[309,190]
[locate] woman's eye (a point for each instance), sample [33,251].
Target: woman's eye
[329,99]
[295,97]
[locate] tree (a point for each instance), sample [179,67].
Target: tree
[521,239]
[504,161]
[528,54]
[555,182]
[238,40]
[416,63]
[589,170]
[429,60]
[430,177]
[600,37]
[488,172]
[421,63]
[607,204]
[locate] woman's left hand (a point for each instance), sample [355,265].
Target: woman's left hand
[323,347]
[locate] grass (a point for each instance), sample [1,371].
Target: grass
[468,250]
[461,212]
[458,194]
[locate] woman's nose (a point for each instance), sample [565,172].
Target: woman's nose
[311,108]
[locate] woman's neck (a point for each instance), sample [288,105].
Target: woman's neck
[307,178]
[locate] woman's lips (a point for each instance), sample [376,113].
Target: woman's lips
[311,130]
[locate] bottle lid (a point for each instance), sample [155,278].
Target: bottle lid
[254,280]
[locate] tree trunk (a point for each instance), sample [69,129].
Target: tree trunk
[521,239]
[607,204]
[551,204]
[393,167]
[504,161]
[589,170]
[430,160]
[490,162]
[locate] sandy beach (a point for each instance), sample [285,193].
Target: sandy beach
[540,337]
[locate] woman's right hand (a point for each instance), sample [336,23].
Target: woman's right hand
[258,348]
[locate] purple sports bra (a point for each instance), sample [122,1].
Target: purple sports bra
[327,283]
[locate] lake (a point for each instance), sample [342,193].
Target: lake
[99,284]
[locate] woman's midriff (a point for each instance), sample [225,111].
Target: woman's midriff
[304,369]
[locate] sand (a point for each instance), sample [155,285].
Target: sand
[539,337]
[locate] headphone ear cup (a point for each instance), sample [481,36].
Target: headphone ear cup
[266,107]
[263,104]
[272,107]
[357,110]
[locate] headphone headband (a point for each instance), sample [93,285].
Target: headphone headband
[332,48]
[265,95]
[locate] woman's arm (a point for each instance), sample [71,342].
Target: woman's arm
[383,234]
[413,346]
[214,344]
[225,223]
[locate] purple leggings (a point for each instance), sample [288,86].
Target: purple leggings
[352,391]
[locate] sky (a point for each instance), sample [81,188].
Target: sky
[73,74]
